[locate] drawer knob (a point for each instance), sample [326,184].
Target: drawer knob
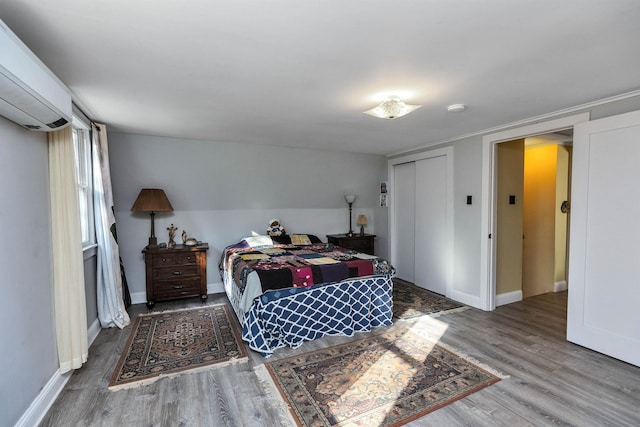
[178,287]
[178,273]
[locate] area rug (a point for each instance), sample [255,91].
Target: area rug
[173,342]
[411,301]
[382,380]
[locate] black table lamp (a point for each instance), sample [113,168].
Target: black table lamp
[350,198]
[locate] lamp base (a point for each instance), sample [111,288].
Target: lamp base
[362,230]
[153,242]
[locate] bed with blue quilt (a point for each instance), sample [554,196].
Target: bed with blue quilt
[287,290]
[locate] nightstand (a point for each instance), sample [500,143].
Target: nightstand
[364,244]
[176,273]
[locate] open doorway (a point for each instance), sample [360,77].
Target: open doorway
[531,213]
[487,296]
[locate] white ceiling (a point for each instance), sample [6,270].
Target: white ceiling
[300,73]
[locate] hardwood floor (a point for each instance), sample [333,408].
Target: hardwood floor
[551,381]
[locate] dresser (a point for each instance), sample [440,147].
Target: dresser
[364,244]
[176,273]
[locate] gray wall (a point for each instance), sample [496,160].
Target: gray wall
[29,357]
[222,191]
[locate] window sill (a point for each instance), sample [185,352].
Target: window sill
[89,251]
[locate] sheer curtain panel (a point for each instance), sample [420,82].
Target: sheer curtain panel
[68,269]
[111,307]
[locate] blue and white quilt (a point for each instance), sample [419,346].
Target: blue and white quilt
[289,317]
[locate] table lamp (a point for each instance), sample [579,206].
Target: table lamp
[350,198]
[152,200]
[361,221]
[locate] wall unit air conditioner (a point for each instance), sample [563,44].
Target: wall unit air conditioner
[30,94]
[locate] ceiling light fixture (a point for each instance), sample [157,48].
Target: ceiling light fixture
[456,107]
[391,108]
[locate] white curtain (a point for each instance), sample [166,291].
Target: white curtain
[111,308]
[68,266]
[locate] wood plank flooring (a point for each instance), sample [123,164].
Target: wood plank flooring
[551,381]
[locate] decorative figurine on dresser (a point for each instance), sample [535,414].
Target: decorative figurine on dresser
[176,271]
[172,234]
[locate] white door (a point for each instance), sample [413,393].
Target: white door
[432,261]
[604,258]
[404,220]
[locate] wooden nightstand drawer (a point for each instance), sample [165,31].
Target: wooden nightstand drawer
[175,273]
[164,259]
[364,244]
[186,258]
[173,288]
[359,244]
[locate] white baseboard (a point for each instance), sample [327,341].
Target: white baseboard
[560,286]
[215,288]
[93,331]
[43,401]
[470,300]
[141,297]
[508,298]
[41,404]
[138,298]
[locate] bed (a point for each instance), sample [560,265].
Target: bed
[287,290]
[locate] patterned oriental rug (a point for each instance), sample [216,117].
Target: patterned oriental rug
[172,342]
[411,301]
[382,380]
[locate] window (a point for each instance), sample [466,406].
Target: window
[82,148]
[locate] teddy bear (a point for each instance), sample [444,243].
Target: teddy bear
[275,228]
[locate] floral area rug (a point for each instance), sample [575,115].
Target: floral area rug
[411,301]
[382,380]
[172,342]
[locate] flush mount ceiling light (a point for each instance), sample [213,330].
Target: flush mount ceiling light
[392,108]
[456,107]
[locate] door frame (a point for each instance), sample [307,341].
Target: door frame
[488,201]
[447,152]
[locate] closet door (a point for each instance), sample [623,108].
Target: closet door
[404,220]
[432,261]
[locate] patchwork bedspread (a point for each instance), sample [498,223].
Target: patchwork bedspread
[299,266]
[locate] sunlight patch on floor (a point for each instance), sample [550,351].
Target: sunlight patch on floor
[388,374]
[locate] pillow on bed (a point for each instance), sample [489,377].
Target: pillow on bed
[255,241]
[300,239]
[314,239]
[289,239]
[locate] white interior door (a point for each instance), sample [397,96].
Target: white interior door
[605,238]
[431,231]
[404,220]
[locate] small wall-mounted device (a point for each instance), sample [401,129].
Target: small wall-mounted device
[469,199]
[512,199]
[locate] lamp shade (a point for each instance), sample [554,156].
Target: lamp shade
[362,220]
[152,200]
[350,198]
